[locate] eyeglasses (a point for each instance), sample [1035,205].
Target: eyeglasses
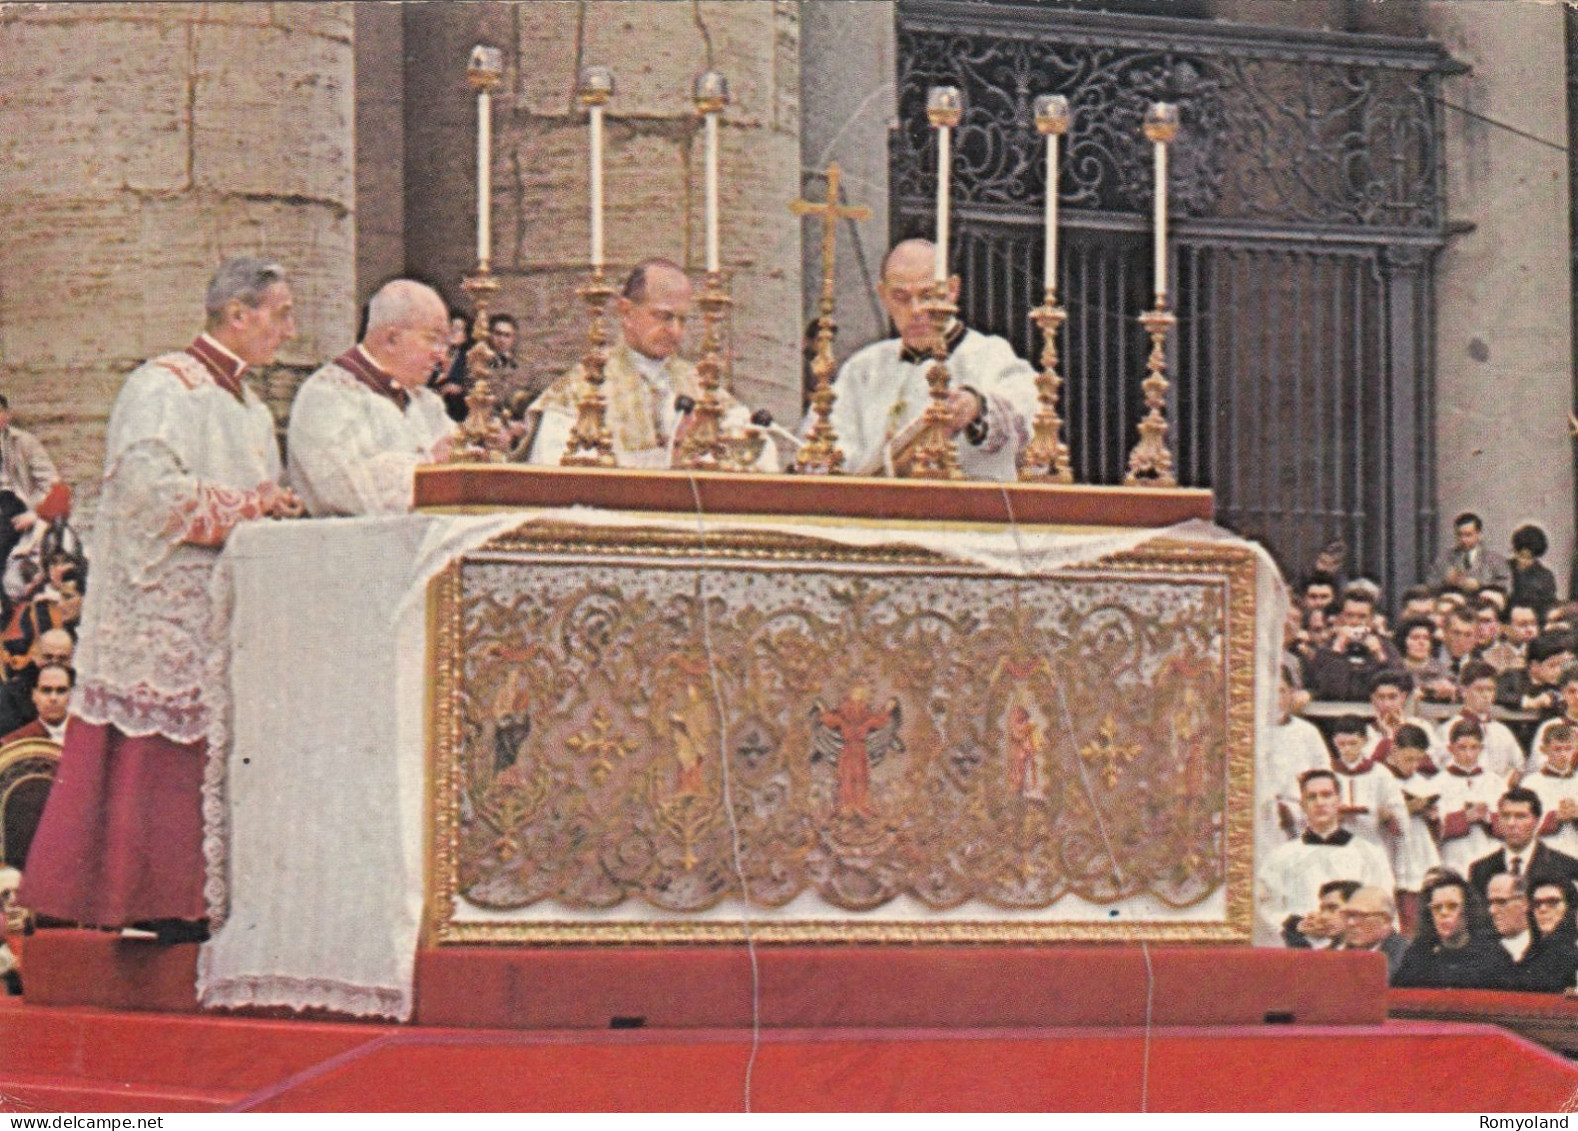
[1549,901]
[1445,908]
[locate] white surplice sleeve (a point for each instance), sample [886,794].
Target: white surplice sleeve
[354,452]
[185,464]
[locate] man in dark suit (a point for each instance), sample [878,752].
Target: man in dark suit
[1370,923]
[1521,854]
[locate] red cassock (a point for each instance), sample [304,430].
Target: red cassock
[190,453]
[122,836]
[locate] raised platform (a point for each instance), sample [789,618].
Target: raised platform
[954,987]
[820,987]
[453,486]
[843,1028]
[82,1060]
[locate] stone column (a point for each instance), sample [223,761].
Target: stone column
[142,144]
[653,178]
[848,72]
[1504,314]
[380,147]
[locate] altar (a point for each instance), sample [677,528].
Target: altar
[569,726]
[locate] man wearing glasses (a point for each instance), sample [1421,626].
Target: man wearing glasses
[643,379]
[1370,923]
[360,425]
[1509,911]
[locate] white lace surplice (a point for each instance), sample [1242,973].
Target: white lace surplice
[184,461]
[353,451]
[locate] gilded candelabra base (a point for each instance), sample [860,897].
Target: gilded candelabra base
[1151,462]
[934,455]
[1045,458]
[820,454]
[590,444]
[481,438]
[703,447]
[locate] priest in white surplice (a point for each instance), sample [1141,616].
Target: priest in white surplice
[360,425]
[190,453]
[882,389]
[643,378]
[1291,876]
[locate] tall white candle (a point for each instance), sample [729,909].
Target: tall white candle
[484,176]
[1161,223]
[1050,279]
[712,192]
[944,170]
[597,184]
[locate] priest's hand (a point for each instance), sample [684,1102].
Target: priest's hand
[282,502]
[964,407]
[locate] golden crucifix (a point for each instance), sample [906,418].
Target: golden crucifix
[819,455]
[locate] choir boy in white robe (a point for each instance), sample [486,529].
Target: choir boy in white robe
[1372,802]
[1389,691]
[361,424]
[882,389]
[1503,756]
[190,454]
[1290,880]
[1556,785]
[1468,799]
[1567,691]
[1414,853]
[1296,746]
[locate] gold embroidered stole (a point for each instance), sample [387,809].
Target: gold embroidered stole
[632,414]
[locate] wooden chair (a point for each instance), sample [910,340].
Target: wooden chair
[27,771]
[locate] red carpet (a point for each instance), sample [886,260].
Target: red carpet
[81,1060]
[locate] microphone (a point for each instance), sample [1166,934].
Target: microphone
[683,407]
[763,419]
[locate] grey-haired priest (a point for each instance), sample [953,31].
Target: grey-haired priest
[190,454]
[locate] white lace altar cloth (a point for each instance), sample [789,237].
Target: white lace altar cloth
[315,800]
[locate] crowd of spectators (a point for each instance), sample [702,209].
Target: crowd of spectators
[43,576]
[1420,788]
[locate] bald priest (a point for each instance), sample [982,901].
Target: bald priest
[882,391]
[361,424]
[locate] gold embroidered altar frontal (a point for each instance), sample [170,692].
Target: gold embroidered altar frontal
[641,735]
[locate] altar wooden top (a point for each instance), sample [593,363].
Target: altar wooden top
[468,486]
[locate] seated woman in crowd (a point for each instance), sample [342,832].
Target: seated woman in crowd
[1456,947]
[1532,583]
[1551,963]
[1416,642]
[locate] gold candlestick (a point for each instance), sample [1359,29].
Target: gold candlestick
[935,456]
[1151,463]
[590,444]
[1045,458]
[820,454]
[481,438]
[703,448]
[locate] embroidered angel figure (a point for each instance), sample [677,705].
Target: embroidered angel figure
[854,737]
